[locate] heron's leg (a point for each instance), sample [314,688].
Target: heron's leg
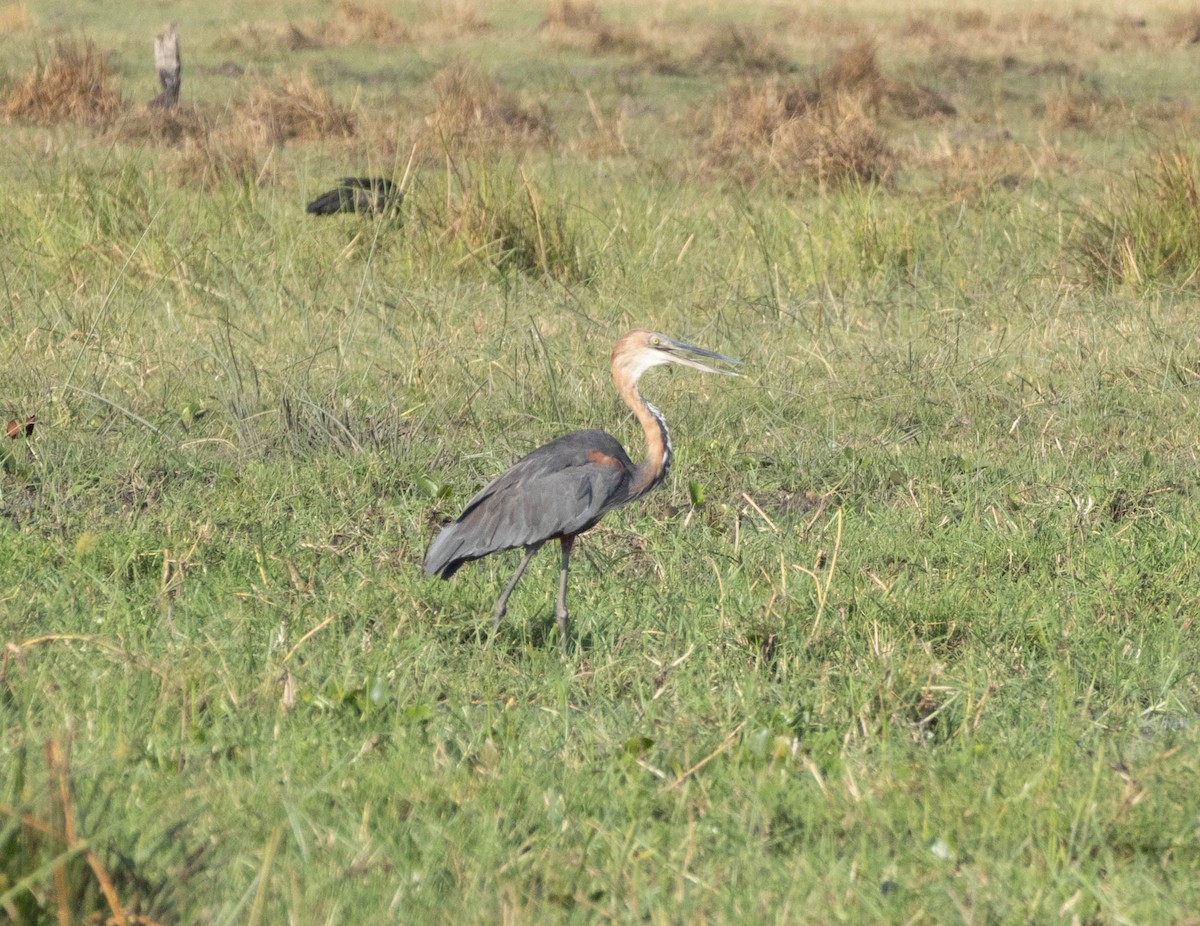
[560,611]
[502,604]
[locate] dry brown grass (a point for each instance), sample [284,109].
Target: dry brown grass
[1127,32]
[973,19]
[603,135]
[223,153]
[1184,29]
[914,101]
[818,28]
[1166,117]
[920,29]
[1073,108]
[579,24]
[578,15]
[13,18]
[829,130]
[742,50]
[70,83]
[454,18]
[830,137]
[857,71]
[469,108]
[1077,35]
[354,22]
[240,144]
[262,37]
[977,161]
[156,125]
[971,161]
[296,110]
[1080,34]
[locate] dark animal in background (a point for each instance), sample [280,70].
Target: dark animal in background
[358,194]
[564,488]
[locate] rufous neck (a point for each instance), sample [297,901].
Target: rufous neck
[653,469]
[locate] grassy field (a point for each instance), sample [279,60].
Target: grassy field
[908,636]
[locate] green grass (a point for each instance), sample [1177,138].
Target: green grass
[926,654]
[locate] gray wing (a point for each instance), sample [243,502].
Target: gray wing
[562,488]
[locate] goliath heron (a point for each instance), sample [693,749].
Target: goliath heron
[564,488]
[358,194]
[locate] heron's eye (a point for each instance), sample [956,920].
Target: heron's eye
[655,342]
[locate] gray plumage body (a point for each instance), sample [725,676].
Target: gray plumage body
[562,488]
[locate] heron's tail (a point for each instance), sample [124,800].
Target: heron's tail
[443,557]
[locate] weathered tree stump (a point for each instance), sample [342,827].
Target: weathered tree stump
[170,67]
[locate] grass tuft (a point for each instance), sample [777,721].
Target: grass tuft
[471,110]
[829,137]
[260,38]
[358,22]
[296,109]
[1184,28]
[70,83]
[1148,231]
[743,51]
[161,126]
[1077,107]
[219,155]
[857,71]
[577,15]
[497,218]
[458,18]
[604,134]
[829,130]
[580,24]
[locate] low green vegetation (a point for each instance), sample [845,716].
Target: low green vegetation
[908,636]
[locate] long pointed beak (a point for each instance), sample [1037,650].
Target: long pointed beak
[684,354]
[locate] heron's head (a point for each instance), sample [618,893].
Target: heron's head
[639,350]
